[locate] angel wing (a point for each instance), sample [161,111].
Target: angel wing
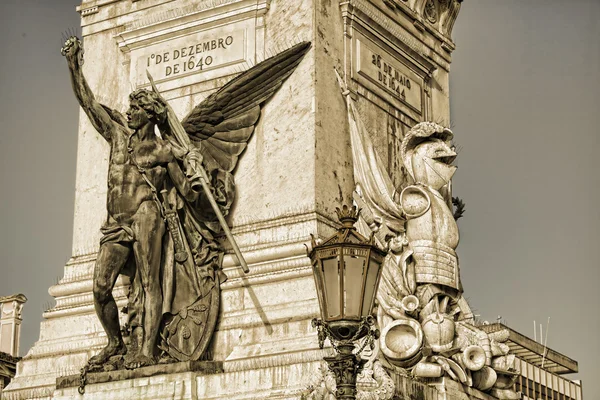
[220,128]
[224,122]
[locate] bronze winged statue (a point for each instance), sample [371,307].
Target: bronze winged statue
[167,196]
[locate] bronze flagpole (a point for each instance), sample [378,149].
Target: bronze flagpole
[184,141]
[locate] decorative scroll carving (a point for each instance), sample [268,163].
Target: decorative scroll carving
[16,306]
[441,14]
[431,11]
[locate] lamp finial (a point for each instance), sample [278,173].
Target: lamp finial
[347,216]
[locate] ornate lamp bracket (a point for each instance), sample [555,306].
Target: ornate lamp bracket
[346,364]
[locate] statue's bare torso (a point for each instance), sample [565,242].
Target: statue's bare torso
[127,188]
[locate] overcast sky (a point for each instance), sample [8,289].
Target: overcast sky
[524,97]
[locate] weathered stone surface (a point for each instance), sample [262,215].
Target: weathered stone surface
[200,367]
[11,308]
[296,170]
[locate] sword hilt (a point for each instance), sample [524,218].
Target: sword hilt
[173,225]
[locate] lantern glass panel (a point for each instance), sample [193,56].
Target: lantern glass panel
[354,272]
[319,282]
[372,274]
[331,275]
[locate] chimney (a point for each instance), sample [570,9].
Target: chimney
[10,323]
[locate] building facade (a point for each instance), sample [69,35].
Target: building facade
[10,332]
[541,369]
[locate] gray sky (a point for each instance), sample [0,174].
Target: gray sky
[524,96]
[524,104]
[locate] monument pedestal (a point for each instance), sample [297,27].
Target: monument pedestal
[296,170]
[205,380]
[276,382]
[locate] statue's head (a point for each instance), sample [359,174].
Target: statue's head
[428,155]
[145,107]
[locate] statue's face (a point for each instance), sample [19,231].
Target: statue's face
[136,116]
[431,163]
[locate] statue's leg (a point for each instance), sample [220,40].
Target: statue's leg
[149,229]
[110,261]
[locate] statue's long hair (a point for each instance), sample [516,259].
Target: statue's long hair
[151,103]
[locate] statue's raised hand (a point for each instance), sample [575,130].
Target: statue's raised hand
[73,50]
[192,161]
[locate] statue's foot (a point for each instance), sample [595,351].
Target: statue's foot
[166,359]
[106,353]
[138,361]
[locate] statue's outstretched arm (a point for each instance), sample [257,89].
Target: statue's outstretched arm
[73,52]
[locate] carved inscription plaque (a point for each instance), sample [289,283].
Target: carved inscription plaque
[380,71]
[191,54]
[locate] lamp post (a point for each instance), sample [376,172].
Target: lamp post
[346,268]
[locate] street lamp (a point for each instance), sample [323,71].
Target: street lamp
[346,268]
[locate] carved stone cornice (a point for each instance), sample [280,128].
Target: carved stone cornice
[15,297]
[88,11]
[437,14]
[6,358]
[400,28]
[178,21]
[421,27]
[87,8]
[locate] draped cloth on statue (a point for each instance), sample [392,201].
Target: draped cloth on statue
[219,129]
[374,185]
[190,288]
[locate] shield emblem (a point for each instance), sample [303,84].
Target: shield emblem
[188,333]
